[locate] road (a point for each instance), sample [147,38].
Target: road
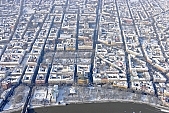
[95,38]
[124,43]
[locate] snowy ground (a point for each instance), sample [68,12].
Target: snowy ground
[39,95]
[42,100]
[163,110]
[18,99]
[10,106]
[61,95]
[91,94]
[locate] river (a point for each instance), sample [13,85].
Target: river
[108,107]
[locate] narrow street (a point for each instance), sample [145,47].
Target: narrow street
[124,43]
[95,38]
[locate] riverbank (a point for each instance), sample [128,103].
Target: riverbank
[12,110]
